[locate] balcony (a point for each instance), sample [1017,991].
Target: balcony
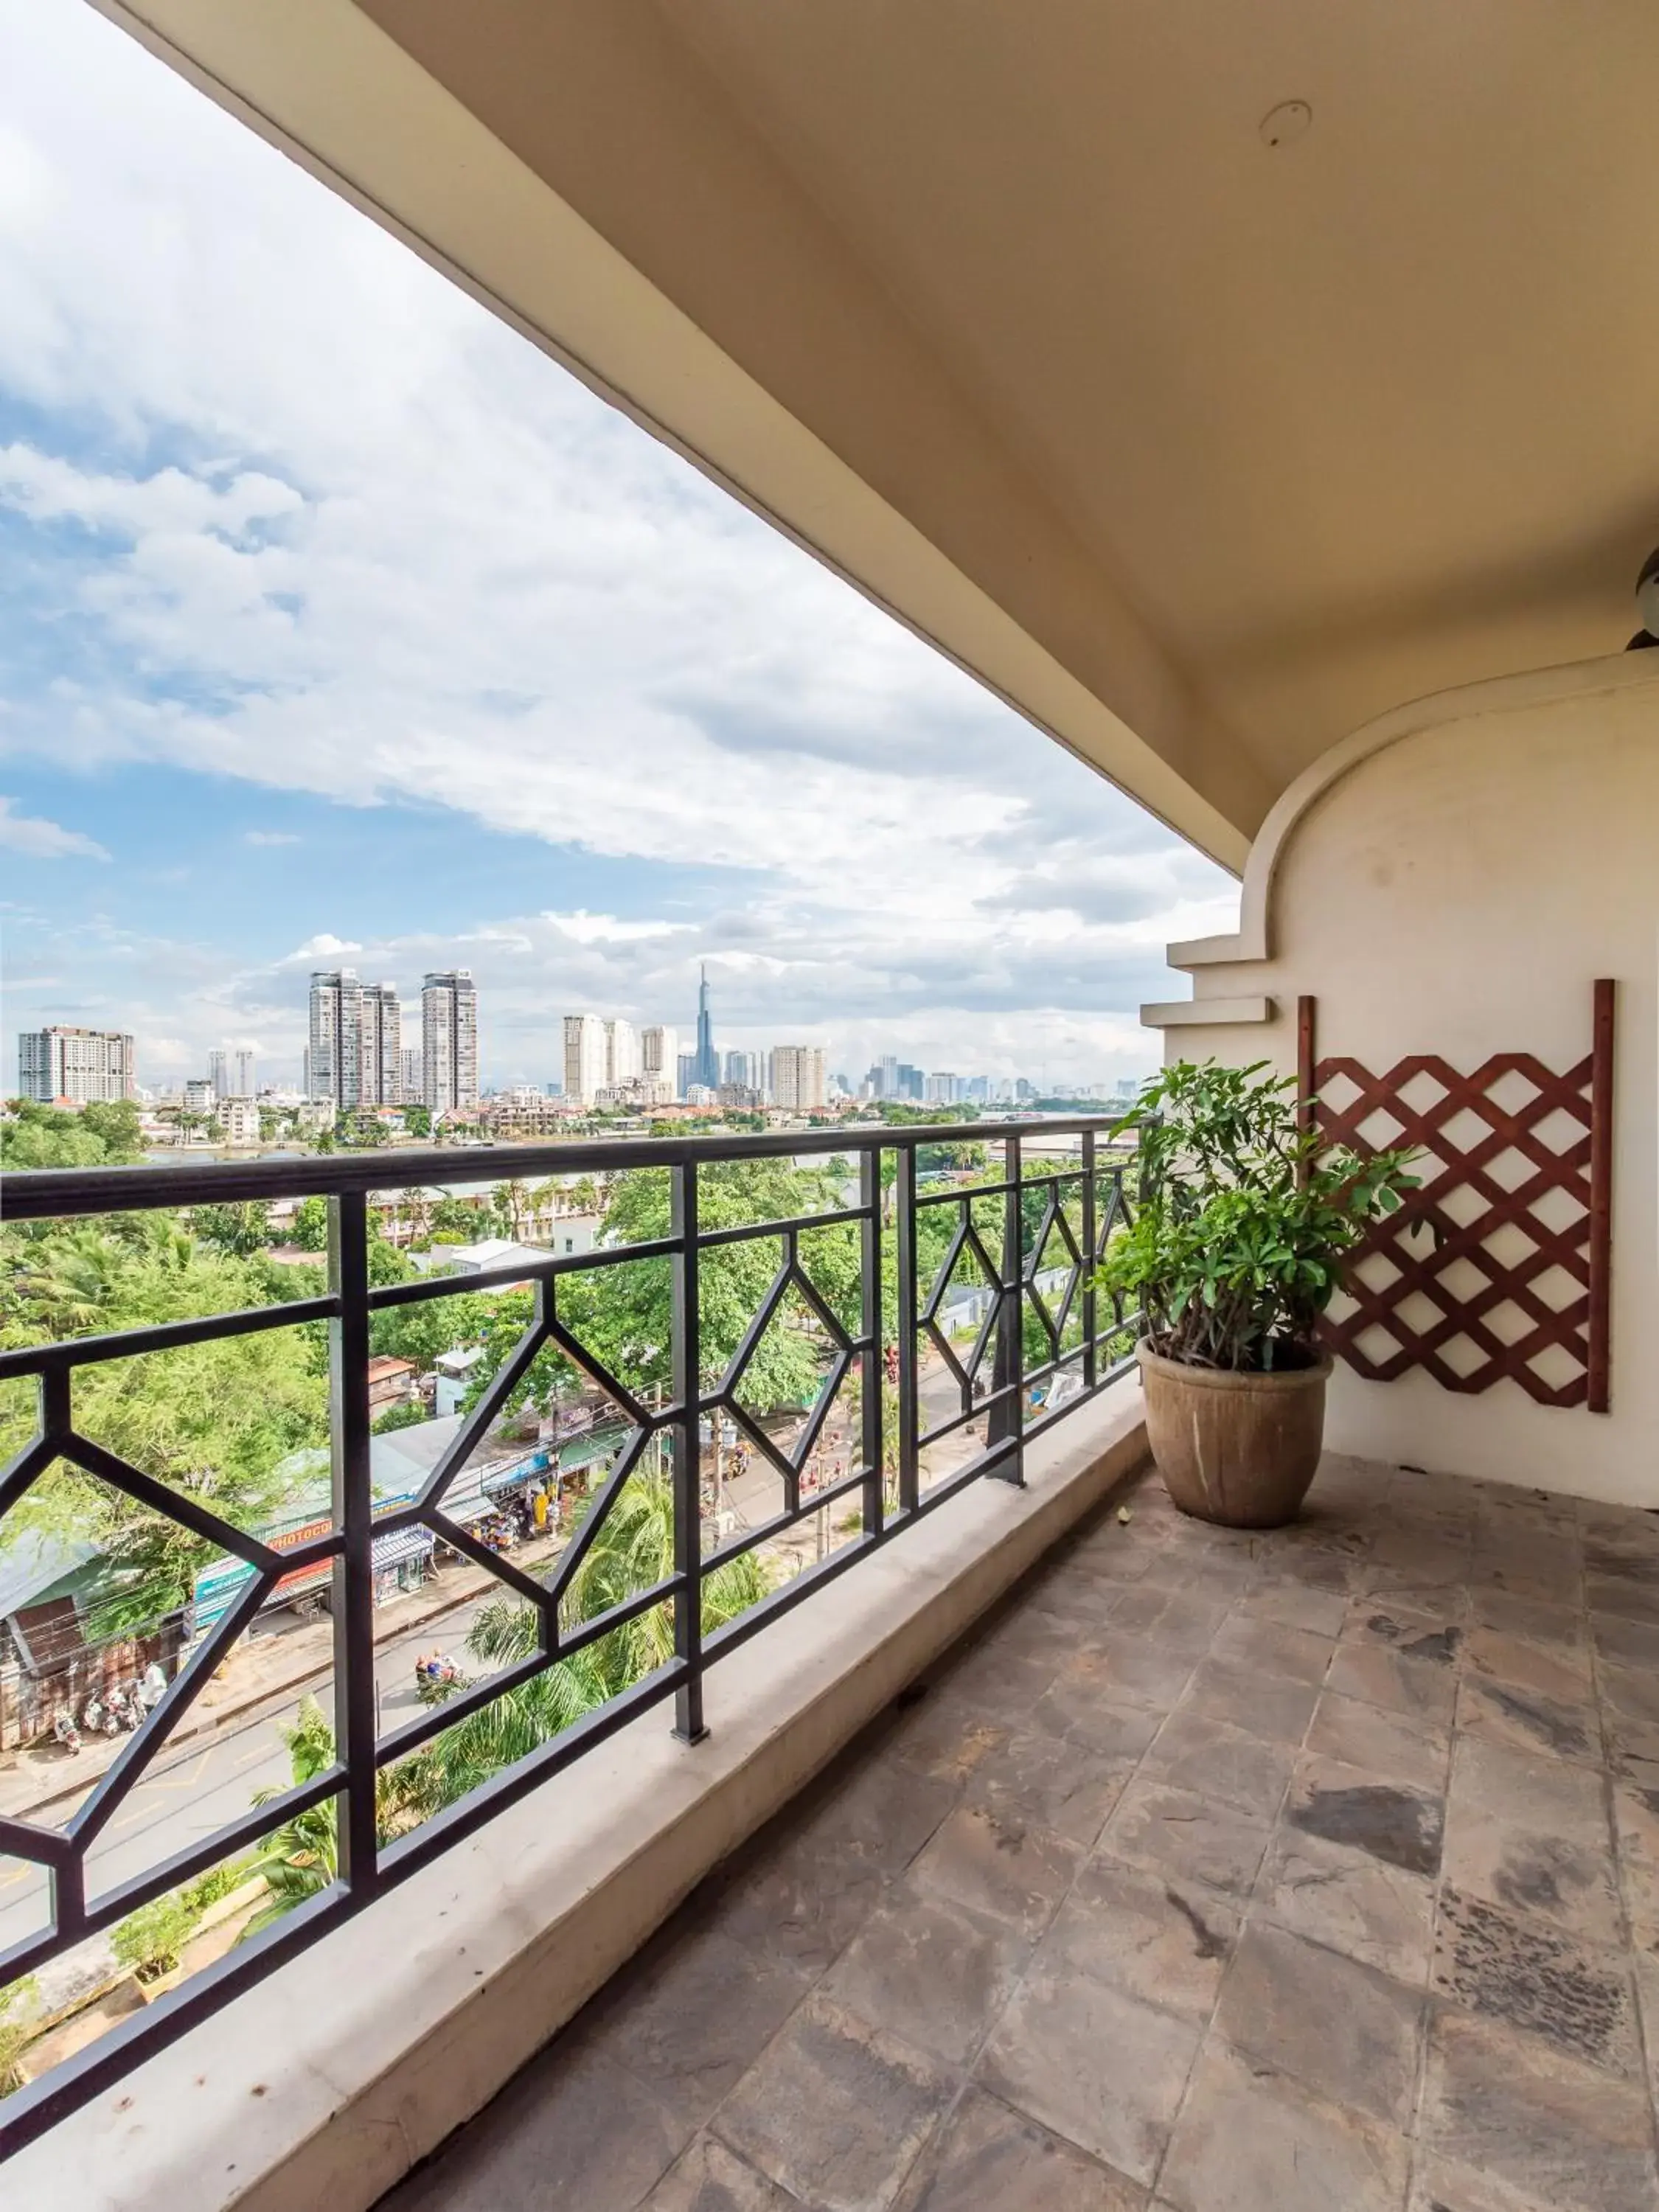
[1280,1874]
[1205,1873]
[915,1336]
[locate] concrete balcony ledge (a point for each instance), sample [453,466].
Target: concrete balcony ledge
[326,2084]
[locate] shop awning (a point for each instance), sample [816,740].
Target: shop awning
[402,1544]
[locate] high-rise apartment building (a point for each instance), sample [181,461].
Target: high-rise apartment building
[659,1050]
[354,1055]
[706,1065]
[411,1086]
[685,1072]
[797,1080]
[83,1066]
[245,1073]
[381,1080]
[743,1068]
[218,1075]
[585,1058]
[909,1081]
[449,1041]
[622,1055]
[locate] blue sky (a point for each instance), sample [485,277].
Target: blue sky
[336,624]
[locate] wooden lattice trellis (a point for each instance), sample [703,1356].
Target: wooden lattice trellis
[1491,1182]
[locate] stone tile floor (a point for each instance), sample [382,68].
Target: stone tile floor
[1310,1872]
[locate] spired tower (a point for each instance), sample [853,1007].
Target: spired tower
[706,1067]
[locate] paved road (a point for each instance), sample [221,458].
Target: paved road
[211,1780]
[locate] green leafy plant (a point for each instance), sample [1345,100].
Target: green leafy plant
[409,1415]
[15,2033]
[302,1857]
[1245,1221]
[151,1941]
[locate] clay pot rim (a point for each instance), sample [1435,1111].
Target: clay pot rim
[1230,1379]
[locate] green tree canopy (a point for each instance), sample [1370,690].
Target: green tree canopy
[212,1420]
[101,1135]
[310,1226]
[239,1228]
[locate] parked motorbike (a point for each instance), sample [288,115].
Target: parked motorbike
[126,1706]
[64,1730]
[98,1716]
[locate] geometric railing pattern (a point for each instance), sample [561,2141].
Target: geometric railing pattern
[1497,1267]
[1030,1238]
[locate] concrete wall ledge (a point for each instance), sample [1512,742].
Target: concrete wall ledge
[323,2086]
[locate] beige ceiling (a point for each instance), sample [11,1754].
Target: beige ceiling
[1203,451]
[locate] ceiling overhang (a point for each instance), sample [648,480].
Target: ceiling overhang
[1199,448]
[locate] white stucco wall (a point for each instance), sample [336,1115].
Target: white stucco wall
[1452,880]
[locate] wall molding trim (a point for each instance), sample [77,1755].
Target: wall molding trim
[1537,687]
[1185,1013]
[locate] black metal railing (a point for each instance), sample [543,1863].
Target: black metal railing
[1021,1247]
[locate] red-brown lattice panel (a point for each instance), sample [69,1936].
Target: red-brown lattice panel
[1496,1269]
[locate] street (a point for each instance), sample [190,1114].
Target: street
[211,1780]
[207,1781]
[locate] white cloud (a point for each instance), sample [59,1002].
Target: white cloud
[42,840]
[605,929]
[269,837]
[323,947]
[340,532]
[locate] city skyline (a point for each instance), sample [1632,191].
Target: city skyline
[349,630]
[355,1057]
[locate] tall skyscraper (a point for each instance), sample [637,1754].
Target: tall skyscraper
[659,1056]
[743,1067]
[705,1066]
[245,1073]
[336,1040]
[449,1041]
[797,1080]
[585,1066]
[685,1072]
[83,1066]
[381,1081]
[410,1086]
[621,1054]
[355,1041]
[217,1076]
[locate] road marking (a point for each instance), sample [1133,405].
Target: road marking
[184,1782]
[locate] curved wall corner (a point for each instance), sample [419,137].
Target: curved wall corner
[1452,880]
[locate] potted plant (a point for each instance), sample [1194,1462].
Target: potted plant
[1236,1249]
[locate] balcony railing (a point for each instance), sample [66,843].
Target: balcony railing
[1028,1235]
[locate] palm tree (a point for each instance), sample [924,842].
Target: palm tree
[632,1550]
[303,1855]
[512,1202]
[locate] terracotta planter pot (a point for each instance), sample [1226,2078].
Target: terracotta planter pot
[1238,1449]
